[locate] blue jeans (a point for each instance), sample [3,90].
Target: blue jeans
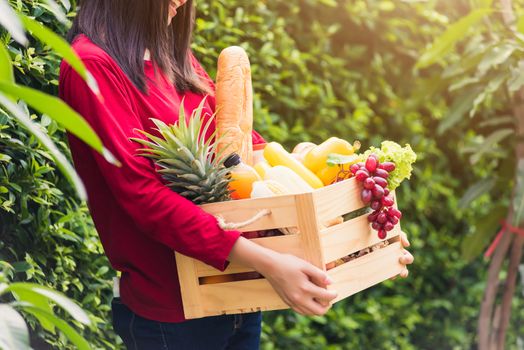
[227,332]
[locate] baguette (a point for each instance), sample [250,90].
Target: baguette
[234,97]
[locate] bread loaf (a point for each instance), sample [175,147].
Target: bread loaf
[234,97]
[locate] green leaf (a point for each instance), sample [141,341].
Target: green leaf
[61,47]
[475,191]
[13,330]
[520,24]
[485,229]
[6,70]
[493,86]
[458,110]
[463,82]
[66,4]
[59,158]
[495,56]
[494,138]
[497,121]
[38,301]
[56,10]
[61,300]
[68,331]
[516,80]
[9,20]
[447,41]
[518,200]
[335,159]
[466,65]
[61,112]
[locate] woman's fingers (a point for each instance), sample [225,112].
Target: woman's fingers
[300,284]
[323,303]
[321,294]
[315,308]
[316,275]
[404,240]
[315,299]
[406,258]
[308,306]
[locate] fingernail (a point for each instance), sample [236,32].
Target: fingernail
[329,280]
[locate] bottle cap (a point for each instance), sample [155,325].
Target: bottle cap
[232,160]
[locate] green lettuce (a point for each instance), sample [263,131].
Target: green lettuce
[403,157]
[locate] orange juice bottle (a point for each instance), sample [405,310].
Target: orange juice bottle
[242,177]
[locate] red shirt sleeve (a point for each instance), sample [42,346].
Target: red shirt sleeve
[158,212]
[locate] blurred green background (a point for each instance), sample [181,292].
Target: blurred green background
[321,68]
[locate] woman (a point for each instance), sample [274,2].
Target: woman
[138,51]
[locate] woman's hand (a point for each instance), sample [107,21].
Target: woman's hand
[406,258]
[301,285]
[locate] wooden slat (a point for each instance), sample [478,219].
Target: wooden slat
[283,213]
[258,295]
[338,199]
[204,270]
[308,227]
[366,271]
[282,244]
[350,237]
[239,297]
[191,290]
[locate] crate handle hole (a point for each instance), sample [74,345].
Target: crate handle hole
[234,277]
[365,251]
[238,225]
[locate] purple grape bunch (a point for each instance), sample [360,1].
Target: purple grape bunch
[374,178]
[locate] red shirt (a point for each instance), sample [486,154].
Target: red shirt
[140,221]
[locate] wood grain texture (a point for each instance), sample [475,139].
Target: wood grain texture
[283,213]
[350,237]
[282,244]
[338,199]
[240,297]
[366,271]
[191,296]
[309,228]
[313,243]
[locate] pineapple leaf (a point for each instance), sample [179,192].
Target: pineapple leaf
[153,140]
[182,112]
[171,171]
[177,164]
[190,177]
[206,127]
[197,165]
[186,158]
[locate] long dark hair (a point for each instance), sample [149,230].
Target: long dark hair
[126,28]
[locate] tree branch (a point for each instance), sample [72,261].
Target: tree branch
[492,328]
[509,291]
[486,309]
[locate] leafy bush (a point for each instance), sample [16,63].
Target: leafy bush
[43,225]
[320,68]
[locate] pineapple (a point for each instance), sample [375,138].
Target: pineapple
[186,160]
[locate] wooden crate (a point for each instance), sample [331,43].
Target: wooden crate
[313,242]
